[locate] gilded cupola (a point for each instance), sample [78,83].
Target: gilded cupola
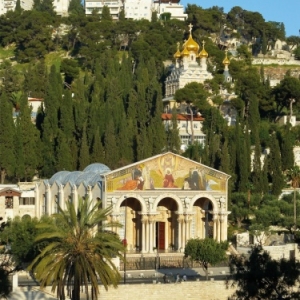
[185,51]
[190,44]
[226,61]
[203,53]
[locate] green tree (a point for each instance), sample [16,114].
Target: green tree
[294,176]
[7,134]
[275,166]
[173,138]
[20,234]
[76,8]
[5,282]
[79,252]
[206,251]
[106,16]
[261,277]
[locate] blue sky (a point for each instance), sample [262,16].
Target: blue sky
[287,12]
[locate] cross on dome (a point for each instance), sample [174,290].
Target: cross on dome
[190,28]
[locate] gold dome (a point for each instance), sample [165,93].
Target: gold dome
[226,61]
[177,54]
[203,53]
[185,52]
[190,44]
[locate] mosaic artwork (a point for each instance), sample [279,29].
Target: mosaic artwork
[168,171]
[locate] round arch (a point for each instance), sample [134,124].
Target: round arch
[168,195]
[205,195]
[132,195]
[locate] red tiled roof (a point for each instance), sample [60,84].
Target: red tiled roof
[181,117]
[35,99]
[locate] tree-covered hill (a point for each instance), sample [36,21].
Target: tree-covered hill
[102,85]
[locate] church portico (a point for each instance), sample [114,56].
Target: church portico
[157,221]
[160,202]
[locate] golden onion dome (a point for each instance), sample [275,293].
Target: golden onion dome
[185,52]
[177,54]
[226,61]
[203,53]
[191,45]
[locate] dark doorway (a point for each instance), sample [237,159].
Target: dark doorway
[160,235]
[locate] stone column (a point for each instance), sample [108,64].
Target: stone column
[222,223]
[215,220]
[150,234]
[179,220]
[144,221]
[167,235]
[183,241]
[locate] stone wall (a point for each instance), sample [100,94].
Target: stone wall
[195,290]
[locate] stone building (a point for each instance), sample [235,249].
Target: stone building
[161,201]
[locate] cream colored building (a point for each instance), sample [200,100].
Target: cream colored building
[161,201]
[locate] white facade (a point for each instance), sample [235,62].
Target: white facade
[185,126]
[115,7]
[60,6]
[137,10]
[176,10]
[6,5]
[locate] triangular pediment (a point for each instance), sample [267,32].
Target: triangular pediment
[166,171]
[9,192]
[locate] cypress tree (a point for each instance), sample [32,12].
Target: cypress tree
[106,16]
[63,153]
[66,121]
[156,125]
[84,156]
[29,142]
[7,135]
[173,138]
[18,7]
[125,140]
[97,151]
[50,124]
[225,158]
[275,167]
[112,154]
[286,147]
[20,159]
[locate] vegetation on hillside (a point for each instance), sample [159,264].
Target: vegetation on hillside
[102,83]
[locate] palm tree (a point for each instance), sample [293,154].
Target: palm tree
[294,175]
[79,251]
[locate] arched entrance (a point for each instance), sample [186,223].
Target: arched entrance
[166,229]
[202,222]
[131,220]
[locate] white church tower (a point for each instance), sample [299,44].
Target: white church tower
[190,66]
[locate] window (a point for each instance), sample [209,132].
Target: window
[9,202]
[27,201]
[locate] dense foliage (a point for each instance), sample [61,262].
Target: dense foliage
[102,83]
[260,277]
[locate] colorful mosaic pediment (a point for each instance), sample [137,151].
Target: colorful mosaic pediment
[166,171]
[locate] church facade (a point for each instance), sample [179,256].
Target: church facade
[161,201]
